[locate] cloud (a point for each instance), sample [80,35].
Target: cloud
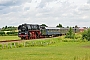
[50,12]
[85,7]
[88,1]
[10,2]
[44,2]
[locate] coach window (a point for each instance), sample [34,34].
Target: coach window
[48,30]
[53,30]
[63,30]
[57,30]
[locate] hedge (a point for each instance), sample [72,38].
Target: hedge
[2,33]
[12,33]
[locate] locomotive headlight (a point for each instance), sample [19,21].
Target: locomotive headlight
[19,33]
[25,33]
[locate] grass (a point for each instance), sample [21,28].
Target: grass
[49,49]
[57,51]
[8,38]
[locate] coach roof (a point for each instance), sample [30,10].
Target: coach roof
[52,28]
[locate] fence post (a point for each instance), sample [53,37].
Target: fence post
[14,45]
[10,45]
[24,44]
[3,45]
[6,45]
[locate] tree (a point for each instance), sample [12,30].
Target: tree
[10,28]
[6,27]
[44,25]
[67,26]
[2,33]
[59,25]
[70,34]
[86,35]
[76,26]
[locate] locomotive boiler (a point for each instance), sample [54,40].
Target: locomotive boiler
[29,31]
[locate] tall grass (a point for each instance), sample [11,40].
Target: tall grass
[56,51]
[29,43]
[35,43]
[86,57]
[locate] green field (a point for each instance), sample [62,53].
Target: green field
[58,48]
[57,51]
[9,38]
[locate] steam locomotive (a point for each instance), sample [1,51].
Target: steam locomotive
[34,31]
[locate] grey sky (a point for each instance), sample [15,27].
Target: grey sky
[50,12]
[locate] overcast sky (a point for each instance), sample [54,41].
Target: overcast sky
[49,12]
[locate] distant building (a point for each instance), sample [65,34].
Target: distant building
[81,29]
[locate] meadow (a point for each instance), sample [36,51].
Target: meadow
[49,49]
[9,38]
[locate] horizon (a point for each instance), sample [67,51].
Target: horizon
[49,26]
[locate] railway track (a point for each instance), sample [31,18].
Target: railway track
[4,41]
[9,41]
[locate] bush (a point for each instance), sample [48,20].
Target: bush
[70,34]
[12,33]
[2,33]
[0,46]
[86,35]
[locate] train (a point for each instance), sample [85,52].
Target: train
[35,31]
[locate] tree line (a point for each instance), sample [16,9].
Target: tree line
[2,33]
[60,26]
[8,31]
[8,28]
[70,34]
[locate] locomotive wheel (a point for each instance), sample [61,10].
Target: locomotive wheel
[22,38]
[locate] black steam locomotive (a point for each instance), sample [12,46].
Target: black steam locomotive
[34,31]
